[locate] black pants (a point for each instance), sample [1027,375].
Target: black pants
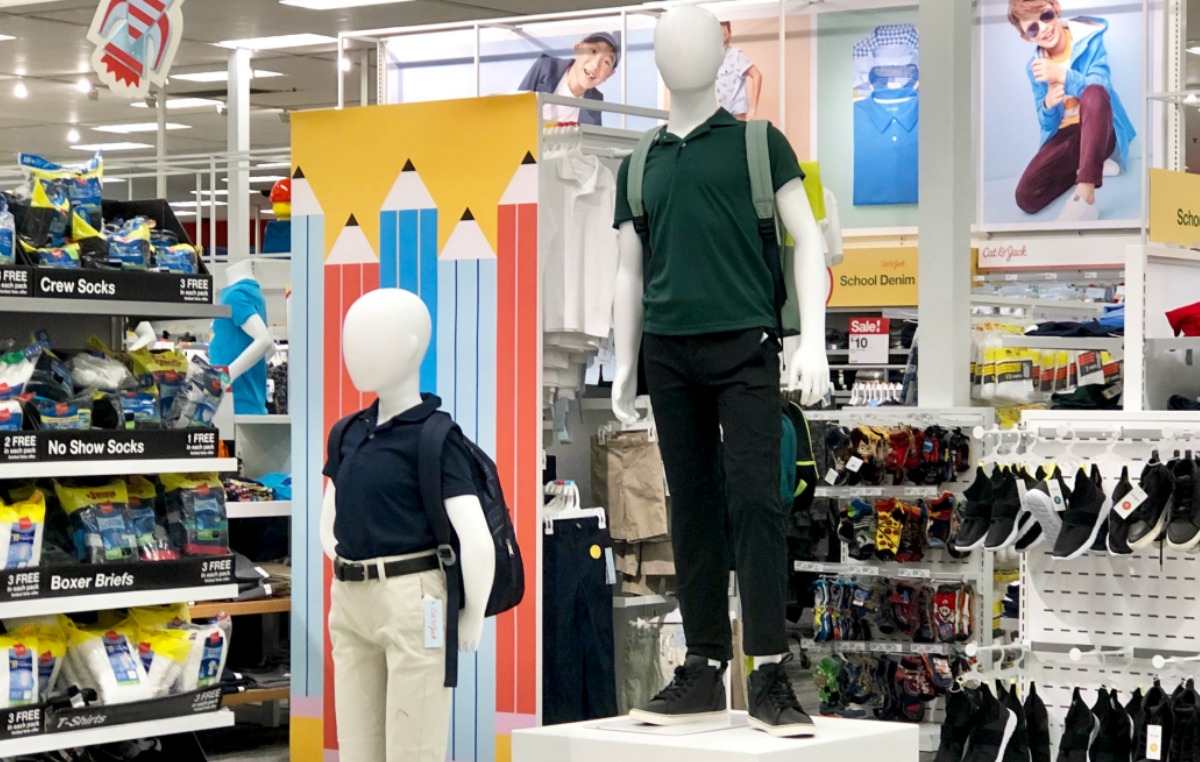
[578,666]
[699,386]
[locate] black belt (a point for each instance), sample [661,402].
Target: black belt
[354,571]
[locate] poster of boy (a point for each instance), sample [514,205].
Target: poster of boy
[1061,94]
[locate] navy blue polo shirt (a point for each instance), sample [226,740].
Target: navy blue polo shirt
[378,499]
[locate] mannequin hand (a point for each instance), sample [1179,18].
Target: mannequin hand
[624,393]
[470,630]
[808,373]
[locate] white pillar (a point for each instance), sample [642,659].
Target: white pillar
[238,116]
[160,189]
[947,201]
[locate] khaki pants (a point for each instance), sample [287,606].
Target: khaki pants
[391,706]
[637,499]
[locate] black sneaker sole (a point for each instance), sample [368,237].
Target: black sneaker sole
[654,718]
[1154,535]
[797,730]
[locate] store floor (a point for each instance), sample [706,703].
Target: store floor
[246,742]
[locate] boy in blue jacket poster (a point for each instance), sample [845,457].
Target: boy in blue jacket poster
[596,58]
[1085,131]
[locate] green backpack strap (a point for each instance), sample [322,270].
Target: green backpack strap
[637,171]
[758,161]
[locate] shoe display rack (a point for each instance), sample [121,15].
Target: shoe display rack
[937,570]
[97,587]
[1099,619]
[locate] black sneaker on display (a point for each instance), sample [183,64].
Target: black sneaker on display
[1185,737]
[696,694]
[976,514]
[1029,531]
[1157,709]
[1087,508]
[1038,721]
[1041,505]
[1115,740]
[1079,731]
[1183,533]
[773,706]
[992,729]
[1148,522]
[1018,747]
[1100,544]
[1006,505]
[960,707]
[1118,528]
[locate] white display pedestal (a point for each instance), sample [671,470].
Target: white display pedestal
[622,740]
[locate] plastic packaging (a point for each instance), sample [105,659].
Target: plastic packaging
[108,658]
[52,650]
[16,369]
[48,216]
[164,654]
[141,407]
[180,258]
[93,245]
[196,518]
[8,235]
[24,524]
[165,369]
[73,414]
[206,661]
[18,673]
[199,398]
[99,371]
[67,256]
[100,524]
[129,246]
[12,415]
[170,616]
[82,183]
[50,378]
[149,528]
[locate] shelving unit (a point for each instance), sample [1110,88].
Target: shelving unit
[242,608]
[1079,343]
[256,696]
[100,602]
[262,420]
[55,469]
[259,509]
[71,739]
[113,308]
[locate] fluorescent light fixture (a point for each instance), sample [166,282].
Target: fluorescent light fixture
[333,5]
[6,37]
[1194,50]
[221,76]
[106,180]
[347,64]
[280,42]
[194,204]
[72,135]
[1191,98]
[120,146]
[84,85]
[211,193]
[20,90]
[181,213]
[274,165]
[129,129]
[182,103]
[262,179]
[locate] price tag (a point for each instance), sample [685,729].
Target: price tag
[912,573]
[871,492]
[1154,742]
[1056,495]
[1011,276]
[928,648]
[807,566]
[854,464]
[1092,275]
[869,341]
[1130,502]
[854,648]
[914,491]
[887,648]
[862,571]
[831,476]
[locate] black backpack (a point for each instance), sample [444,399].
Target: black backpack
[508,585]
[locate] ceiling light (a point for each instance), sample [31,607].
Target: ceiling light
[119,146]
[20,90]
[129,129]
[194,204]
[332,5]
[6,37]
[72,135]
[1191,98]
[84,85]
[274,165]
[14,3]
[262,179]
[211,193]
[106,180]
[347,64]
[280,42]
[181,213]
[1194,50]
[221,76]
[182,103]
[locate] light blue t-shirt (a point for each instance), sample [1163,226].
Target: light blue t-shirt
[245,299]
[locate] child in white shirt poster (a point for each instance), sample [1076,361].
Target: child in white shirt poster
[739,82]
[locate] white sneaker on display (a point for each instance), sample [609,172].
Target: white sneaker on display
[1078,210]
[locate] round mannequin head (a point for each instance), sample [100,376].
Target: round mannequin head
[384,339]
[689,49]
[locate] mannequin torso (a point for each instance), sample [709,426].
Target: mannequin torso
[244,344]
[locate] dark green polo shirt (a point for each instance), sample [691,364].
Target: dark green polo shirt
[706,271]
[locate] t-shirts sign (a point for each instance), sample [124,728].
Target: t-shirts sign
[869,340]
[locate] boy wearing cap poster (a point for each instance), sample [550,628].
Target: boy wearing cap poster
[596,58]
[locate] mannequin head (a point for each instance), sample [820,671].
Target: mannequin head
[384,340]
[688,49]
[242,269]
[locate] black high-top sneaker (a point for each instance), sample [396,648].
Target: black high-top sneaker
[1148,523]
[1185,739]
[1118,527]
[1038,721]
[1079,731]
[1157,710]
[1115,740]
[1006,507]
[1018,746]
[961,706]
[696,694]
[1100,544]
[773,706]
[1183,533]
[1087,507]
[976,514]
[1046,503]
[992,729]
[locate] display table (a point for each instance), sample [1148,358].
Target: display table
[730,741]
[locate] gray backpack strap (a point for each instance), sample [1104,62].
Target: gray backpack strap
[758,161]
[637,170]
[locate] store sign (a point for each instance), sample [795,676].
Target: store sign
[1054,252]
[884,277]
[200,701]
[107,285]
[104,579]
[20,722]
[1175,208]
[135,41]
[869,340]
[98,444]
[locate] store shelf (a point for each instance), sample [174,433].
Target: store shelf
[47,306]
[985,300]
[1179,342]
[846,352]
[256,696]
[867,366]
[115,467]
[258,510]
[900,490]
[262,420]
[876,647]
[241,608]
[1080,343]
[605,403]
[641,601]
[123,600]
[110,734]
[895,571]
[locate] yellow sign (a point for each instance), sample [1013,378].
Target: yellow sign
[1174,208]
[885,277]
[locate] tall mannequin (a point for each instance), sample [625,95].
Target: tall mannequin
[705,312]
[242,342]
[391,703]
